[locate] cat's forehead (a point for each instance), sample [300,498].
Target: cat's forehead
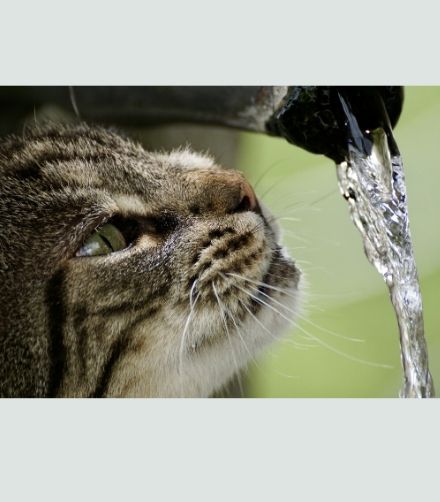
[142,174]
[144,182]
[87,158]
[184,158]
[97,168]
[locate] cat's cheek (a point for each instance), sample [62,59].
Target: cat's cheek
[146,242]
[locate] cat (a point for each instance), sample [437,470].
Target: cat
[126,273]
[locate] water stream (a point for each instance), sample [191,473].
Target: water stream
[373,183]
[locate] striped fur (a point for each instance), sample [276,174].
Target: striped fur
[115,325]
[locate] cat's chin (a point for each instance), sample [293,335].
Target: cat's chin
[215,352]
[217,360]
[223,341]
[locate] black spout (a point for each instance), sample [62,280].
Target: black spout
[314,117]
[310,117]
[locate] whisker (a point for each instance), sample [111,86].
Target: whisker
[293,235]
[264,284]
[303,318]
[191,301]
[300,206]
[325,196]
[295,205]
[186,327]
[294,343]
[229,313]
[73,101]
[279,211]
[271,187]
[229,340]
[287,218]
[317,339]
[267,171]
[344,354]
[259,283]
[256,319]
[262,223]
[325,330]
[285,375]
[275,218]
[297,197]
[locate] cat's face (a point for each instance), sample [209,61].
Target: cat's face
[128,273]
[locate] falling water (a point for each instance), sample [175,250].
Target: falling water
[373,183]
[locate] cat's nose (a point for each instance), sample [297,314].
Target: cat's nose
[247,200]
[220,191]
[234,194]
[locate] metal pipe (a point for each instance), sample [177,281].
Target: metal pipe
[304,115]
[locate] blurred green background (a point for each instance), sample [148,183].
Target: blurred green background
[346,297]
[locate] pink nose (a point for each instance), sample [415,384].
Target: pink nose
[248,200]
[221,191]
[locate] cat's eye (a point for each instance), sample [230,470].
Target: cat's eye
[120,232]
[104,240]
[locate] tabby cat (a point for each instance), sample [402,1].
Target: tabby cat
[129,273]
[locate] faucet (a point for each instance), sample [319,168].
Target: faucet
[313,117]
[307,116]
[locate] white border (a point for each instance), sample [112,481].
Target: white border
[282,42]
[219,450]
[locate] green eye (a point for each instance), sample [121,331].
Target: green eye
[104,240]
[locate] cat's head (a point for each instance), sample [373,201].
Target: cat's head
[128,273]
